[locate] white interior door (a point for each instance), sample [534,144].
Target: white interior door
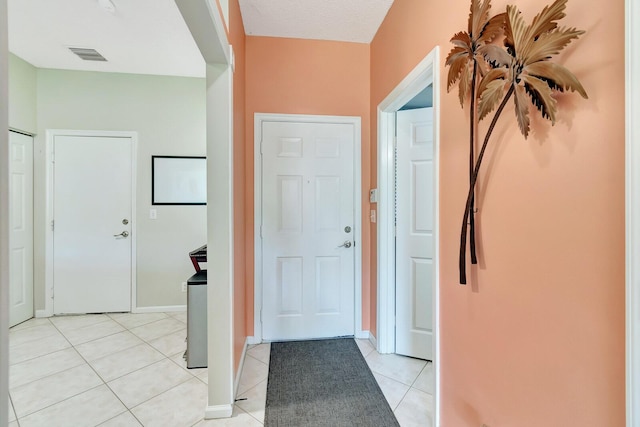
[307,230]
[415,246]
[92,248]
[21,228]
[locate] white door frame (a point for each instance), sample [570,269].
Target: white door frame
[259,119]
[4,214]
[632,61]
[48,238]
[425,73]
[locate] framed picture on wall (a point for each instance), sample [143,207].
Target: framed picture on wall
[178,180]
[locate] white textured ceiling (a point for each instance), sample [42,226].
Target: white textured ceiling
[141,36]
[150,36]
[342,20]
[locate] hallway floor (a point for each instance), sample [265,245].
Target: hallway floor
[127,370]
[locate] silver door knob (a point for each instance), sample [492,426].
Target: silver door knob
[123,234]
[346,244]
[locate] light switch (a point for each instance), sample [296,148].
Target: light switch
[373,196]
[153,214]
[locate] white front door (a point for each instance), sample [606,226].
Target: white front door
[92,224]
[21,228]
[415,246]
[307,230]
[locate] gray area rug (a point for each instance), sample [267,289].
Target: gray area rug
[323,383]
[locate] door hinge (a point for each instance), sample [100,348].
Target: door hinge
[261,152]
[261,231]
[395,142]
[52,225]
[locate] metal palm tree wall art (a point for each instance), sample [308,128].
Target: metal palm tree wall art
[490,74]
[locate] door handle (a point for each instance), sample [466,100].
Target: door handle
[346,244]
[123,234]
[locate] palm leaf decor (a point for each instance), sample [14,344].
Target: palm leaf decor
[490,75]
[466,66]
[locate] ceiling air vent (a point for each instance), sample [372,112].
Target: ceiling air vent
[87,54]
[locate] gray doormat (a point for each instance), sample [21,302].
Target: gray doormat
[323,383]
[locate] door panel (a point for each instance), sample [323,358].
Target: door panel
[92,243]
[21,228]
[307,198]
[415,245]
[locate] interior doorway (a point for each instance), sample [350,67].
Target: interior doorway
[426,73]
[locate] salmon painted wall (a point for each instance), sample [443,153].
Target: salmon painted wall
[537,337]
[237,41]
[294,76]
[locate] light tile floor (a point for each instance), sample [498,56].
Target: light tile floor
[121,370]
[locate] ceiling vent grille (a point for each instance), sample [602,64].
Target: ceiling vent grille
[87,54]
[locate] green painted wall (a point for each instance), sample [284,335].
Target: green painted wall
[22,95]
[168,113]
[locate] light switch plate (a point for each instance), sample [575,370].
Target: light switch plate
[153,214]
[373,195]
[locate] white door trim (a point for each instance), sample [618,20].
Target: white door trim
[632,60]
[48,238]
[259,119]
[426,72]
[4,213]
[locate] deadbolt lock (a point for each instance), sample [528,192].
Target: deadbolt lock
[347,229]
[125,221]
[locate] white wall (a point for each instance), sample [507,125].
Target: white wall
[22,95]
[4,216]
[169,115]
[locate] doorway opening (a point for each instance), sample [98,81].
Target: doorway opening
[425,74]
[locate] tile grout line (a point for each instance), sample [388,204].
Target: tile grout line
[48,375]
[65,370]
[14,410]
[78,316]
[136,370]
[395,380]
[105,383]
[114,379]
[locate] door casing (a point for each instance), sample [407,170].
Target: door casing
[50,136]
[260,118]
[632,188]
[425,73]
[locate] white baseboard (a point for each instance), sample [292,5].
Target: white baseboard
[240,368]
[159,309]
[218,411]
[253,340]
[373,340]
[362,335]
[43,313]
